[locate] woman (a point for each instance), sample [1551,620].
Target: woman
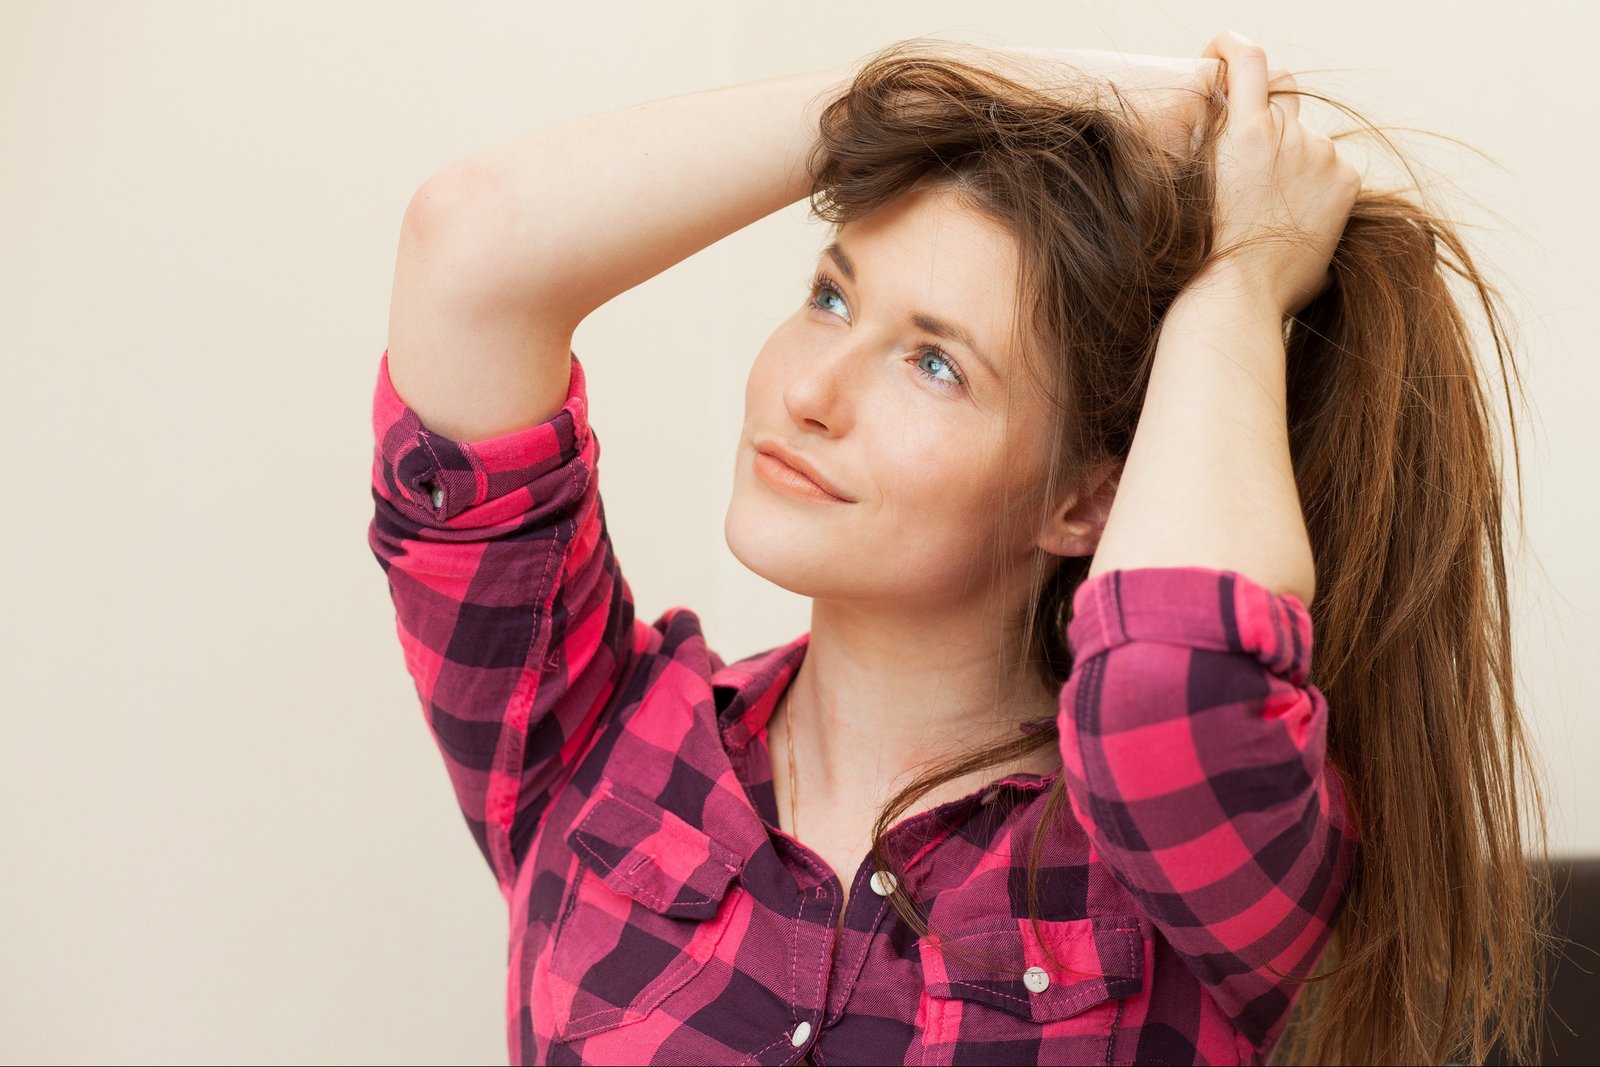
[1061,488]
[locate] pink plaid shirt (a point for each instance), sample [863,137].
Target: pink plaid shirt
[616,776]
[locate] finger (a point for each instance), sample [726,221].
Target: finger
[1280,91]
[1245,69]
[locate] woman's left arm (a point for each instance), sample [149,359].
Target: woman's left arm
[1208,479]
[1193,742]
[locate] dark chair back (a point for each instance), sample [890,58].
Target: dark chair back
[1571,1025]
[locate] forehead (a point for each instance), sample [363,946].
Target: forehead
[929,251]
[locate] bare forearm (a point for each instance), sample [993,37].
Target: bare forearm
[574,214]
[1208,481]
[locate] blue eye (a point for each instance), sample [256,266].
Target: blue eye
[944,363]
[937,355]
[823,289]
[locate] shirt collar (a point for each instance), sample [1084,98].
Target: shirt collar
[747,692]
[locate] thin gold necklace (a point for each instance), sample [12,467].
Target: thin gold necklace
[788,744]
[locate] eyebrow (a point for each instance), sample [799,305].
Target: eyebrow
[941,329]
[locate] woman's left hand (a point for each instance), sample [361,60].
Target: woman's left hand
[1283,192]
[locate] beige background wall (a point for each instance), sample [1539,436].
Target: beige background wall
[226,833]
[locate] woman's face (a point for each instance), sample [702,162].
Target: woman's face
[926,431]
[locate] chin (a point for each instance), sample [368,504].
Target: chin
[805,555]
[779,547]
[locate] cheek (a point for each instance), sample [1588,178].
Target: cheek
[942,496]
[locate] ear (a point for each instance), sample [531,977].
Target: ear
[1074,527]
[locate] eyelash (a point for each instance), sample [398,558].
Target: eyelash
[823,281]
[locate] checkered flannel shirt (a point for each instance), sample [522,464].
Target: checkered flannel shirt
[615,774]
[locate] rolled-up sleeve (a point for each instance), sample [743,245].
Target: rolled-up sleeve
[1194,753]
[512,613]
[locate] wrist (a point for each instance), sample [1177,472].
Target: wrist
[1231,319]
[1236,288]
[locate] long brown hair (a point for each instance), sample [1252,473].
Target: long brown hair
[1436,950]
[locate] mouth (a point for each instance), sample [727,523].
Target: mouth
[789,479]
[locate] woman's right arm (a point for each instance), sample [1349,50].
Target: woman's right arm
[504,252]
[515,621]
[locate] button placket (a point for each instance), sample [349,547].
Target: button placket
[812,957]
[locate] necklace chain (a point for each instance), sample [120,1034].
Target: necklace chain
[788,743]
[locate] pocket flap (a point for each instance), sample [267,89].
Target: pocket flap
[1095,959]
[646,852]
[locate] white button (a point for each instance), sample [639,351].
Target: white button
[801,1035]
[438,496]
[883,883]
[1036,979]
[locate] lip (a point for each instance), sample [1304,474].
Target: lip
[795,472]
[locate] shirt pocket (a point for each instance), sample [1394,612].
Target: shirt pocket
[642,916]
[993,993]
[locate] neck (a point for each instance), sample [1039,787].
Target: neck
[882,692]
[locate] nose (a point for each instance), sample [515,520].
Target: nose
[820,393]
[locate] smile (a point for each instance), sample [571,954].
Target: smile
[785,478]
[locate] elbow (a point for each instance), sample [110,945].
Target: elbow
[464,196]
[455,224]
[464,228]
